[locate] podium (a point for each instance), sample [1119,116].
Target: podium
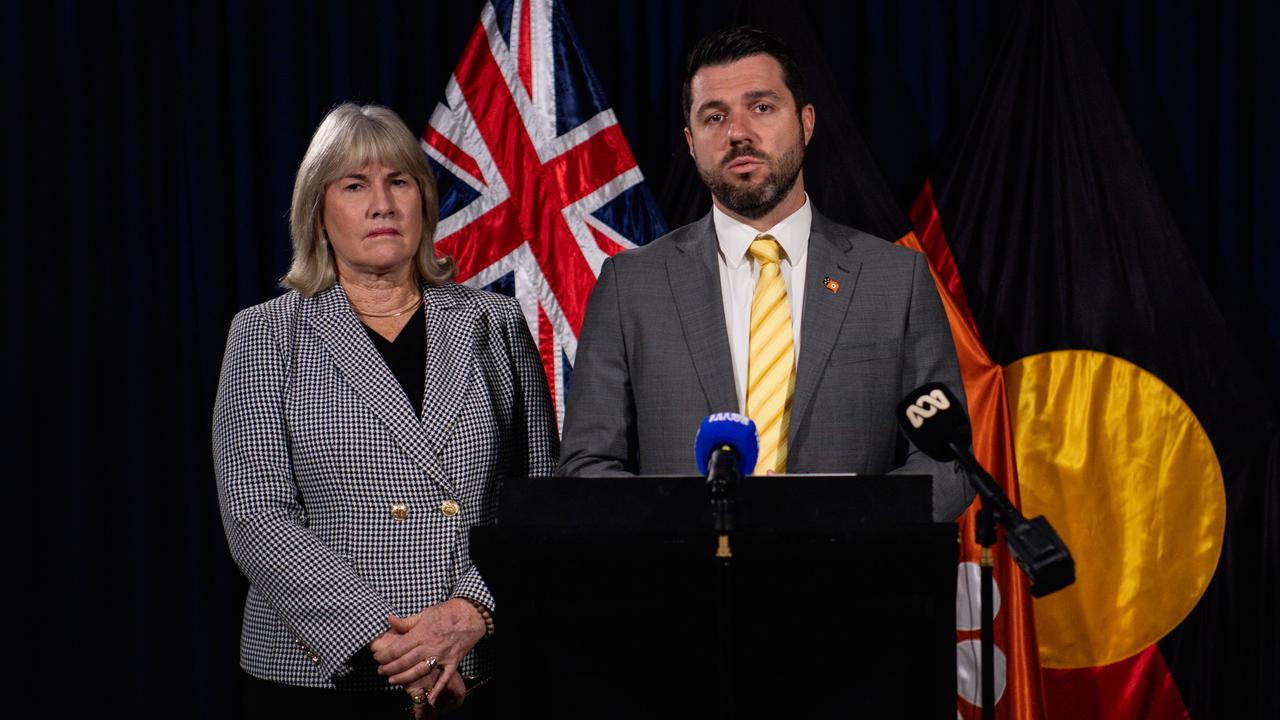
[612,602]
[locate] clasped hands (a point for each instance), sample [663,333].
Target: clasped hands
[445,632]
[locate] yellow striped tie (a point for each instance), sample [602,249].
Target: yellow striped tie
[771,379]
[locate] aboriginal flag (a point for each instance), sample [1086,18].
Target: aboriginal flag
[1138,426]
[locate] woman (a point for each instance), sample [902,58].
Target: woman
[364,422]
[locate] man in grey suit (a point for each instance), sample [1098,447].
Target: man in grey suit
[813,329]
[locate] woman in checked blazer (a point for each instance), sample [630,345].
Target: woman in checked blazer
[365,420]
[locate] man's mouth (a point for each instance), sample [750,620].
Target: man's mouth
[745,165]
[743,162]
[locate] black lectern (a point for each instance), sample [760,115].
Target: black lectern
[609,594]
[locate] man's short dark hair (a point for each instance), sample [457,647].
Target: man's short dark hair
[726,46]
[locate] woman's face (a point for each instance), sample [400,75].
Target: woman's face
[373,218]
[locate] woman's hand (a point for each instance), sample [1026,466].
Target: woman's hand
[445,632]
[450,699]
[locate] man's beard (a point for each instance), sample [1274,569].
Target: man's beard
[756,200]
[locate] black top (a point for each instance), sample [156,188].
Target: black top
[406,356]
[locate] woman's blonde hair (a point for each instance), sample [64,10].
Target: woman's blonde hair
[350,137]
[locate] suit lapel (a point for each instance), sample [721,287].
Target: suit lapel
[824,311]
[364,370]
[695,286]
[450,328]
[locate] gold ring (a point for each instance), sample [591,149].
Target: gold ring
[432,662]
[418,699]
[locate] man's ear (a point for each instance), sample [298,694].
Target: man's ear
[688,138]
[806,122]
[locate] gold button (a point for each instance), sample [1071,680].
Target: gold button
[400,512]
[449,508]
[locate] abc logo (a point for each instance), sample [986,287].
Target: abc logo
[926,406]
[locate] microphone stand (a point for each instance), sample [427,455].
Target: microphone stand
[985,535]
[1034,545]
[722,479]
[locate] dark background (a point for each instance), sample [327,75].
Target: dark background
[150,152]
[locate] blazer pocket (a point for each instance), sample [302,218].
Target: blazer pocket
[859,352]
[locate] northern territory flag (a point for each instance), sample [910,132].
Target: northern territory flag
[1016,661]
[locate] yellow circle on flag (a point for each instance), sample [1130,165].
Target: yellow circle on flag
[1124,472]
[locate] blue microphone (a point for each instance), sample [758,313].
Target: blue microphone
[727,434]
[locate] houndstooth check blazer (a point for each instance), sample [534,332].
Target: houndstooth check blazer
[314,443]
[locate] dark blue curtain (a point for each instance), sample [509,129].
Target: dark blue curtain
[150,151]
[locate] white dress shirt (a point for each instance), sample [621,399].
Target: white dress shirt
[738,273]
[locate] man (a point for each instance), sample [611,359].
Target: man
[812,329]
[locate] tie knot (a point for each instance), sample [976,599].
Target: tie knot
[765,250]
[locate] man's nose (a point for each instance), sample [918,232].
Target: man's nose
[740,129]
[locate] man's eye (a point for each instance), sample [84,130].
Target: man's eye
[764,107]
[715,117]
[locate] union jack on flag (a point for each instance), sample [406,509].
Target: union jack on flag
[537,183]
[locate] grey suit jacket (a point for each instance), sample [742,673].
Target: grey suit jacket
[653,360]
[314,444]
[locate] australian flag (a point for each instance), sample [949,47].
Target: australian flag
[537,183]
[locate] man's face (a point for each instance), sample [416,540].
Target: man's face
[746,137]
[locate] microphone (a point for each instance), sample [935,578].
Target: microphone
[725,448]
[935,421]
[726,445]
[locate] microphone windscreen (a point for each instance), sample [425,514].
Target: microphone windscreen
[932,417]
[732,429]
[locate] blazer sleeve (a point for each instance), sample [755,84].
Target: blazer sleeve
[535,442]
[599,419]
[329,608]
[535,438]
[929,355]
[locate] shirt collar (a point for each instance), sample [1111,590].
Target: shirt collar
[792,233]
